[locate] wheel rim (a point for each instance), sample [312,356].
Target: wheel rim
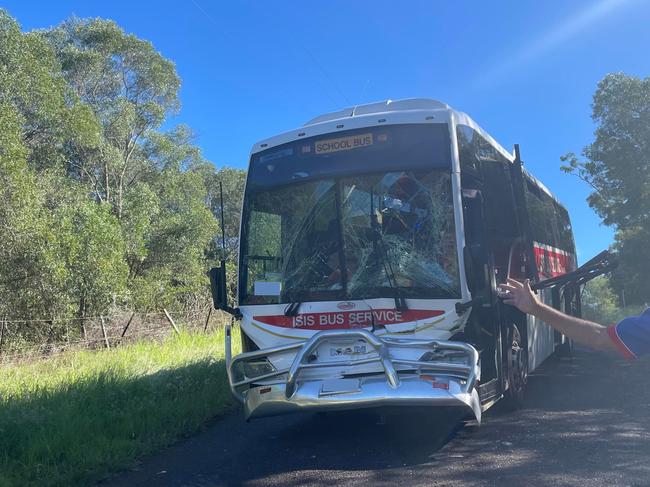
[518,364]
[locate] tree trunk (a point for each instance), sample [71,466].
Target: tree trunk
[107,188]
[120,192]
[81,315]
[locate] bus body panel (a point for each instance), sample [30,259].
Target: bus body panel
[541,337]
[364,337]
[267,326]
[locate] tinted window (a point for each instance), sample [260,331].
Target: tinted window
[468,149]
[551,233]
[393,147]
[564,228]
[539,213]
[480,158]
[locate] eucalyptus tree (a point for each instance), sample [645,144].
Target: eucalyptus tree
[130,87]
[617,167]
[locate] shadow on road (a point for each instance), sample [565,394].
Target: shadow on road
[585,423]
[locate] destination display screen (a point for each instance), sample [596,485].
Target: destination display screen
[343,143]
[404,146]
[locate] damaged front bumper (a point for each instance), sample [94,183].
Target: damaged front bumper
[389,372]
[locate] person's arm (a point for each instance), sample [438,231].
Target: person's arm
[582,331]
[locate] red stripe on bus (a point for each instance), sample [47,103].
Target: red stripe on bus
[552,262]
[348,319]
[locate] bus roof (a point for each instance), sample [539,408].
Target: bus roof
[408,110]
[399,111]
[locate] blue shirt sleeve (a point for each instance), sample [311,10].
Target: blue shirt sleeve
[632,335]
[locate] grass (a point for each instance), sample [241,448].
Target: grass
[75,418]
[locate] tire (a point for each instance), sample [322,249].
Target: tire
[516,355]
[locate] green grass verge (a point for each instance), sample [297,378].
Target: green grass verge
[76,417]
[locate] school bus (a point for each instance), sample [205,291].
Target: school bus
[372,243]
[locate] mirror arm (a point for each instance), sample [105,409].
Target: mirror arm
[462,307]
[234,312]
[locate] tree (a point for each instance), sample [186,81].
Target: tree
[600,303]
[130,87]
[100,208]
[145,176]
[232,181]
[617,167]
[178,228]
[90,239]
[37,116]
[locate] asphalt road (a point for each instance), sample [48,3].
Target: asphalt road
[586,422]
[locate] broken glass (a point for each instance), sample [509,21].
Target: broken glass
[355,237]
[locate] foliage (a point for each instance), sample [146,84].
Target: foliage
[600,304]
[617,167]
[81,415]
[233,181]
[99,207]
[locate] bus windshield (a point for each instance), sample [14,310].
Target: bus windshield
[351,236]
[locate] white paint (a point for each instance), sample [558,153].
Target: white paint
[267,288]
[541,337]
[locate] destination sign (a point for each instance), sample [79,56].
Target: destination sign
[343,143]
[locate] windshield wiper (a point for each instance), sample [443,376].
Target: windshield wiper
[380,249]
[296,298]
[292,308]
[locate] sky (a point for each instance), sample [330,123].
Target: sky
[525,71]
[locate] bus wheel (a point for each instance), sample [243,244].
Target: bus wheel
[517,362]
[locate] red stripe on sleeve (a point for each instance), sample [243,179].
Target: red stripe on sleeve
[620,344]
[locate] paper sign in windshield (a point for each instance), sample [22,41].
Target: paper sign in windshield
[343,143]
[267,288]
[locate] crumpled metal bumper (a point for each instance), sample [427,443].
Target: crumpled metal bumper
[373,392]
[308,385]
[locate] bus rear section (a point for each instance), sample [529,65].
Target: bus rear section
[367,269]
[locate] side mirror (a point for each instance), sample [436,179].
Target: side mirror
[218,289]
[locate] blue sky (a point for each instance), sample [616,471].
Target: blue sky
[525,71]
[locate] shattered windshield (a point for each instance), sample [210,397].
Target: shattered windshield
[352,238]
[398,226]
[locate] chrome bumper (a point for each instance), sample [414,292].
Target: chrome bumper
[310,385]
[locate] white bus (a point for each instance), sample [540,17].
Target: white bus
[371,245]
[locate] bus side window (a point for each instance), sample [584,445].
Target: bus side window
[481,161]
[501,220]
[468,150]
[536,213]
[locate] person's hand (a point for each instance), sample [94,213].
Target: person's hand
[519,295]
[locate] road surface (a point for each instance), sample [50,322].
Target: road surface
[586,422]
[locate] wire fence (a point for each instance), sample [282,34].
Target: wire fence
[55,336]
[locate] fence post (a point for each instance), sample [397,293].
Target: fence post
[171,322]
[127,324]
[2,332]
[101,321]
[207,320]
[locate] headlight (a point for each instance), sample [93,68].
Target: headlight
[252,368]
